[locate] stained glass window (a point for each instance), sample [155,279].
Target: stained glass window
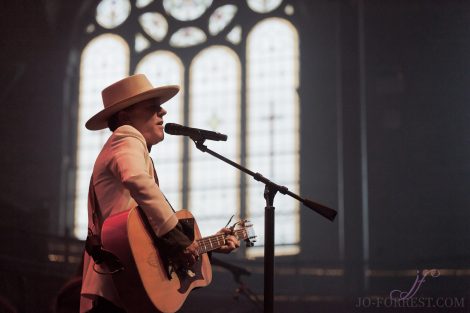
[112,13]
[165,68]
[272,124]
[215,104]
[104,60]
[211,98]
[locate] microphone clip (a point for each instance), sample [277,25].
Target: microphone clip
[198,137]
[200,143]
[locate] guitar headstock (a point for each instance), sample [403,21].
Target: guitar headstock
[244,230]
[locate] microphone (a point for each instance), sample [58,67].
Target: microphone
[194,133]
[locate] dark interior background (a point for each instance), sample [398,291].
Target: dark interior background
[385,140]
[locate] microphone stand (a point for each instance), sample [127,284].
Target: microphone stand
[270,191]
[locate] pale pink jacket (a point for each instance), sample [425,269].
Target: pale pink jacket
[123,177]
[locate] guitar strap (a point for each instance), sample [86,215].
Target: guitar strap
[93,244]
[97,217]
[93,240]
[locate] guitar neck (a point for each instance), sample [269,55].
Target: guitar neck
[211,243]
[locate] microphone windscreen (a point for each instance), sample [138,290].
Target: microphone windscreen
[172,128]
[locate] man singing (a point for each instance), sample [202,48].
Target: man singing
[124,177]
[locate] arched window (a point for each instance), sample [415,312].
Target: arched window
[104,60]
[273,124]
[215,104]
[165,68]
[237,77]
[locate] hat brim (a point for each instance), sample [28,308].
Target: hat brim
[100,119]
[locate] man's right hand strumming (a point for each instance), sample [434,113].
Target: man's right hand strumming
[188,257]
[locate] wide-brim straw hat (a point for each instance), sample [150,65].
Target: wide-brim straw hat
[126,92]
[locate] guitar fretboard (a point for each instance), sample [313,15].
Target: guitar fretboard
[214,242]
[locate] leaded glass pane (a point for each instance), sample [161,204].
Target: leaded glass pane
[289,9]
[104,61]
[235,35]
[186,10]
[141,43]
[272,123]
[143,3]
[188,36]
[90,28]
[263,6]
[112,13]
[165,68]
[215,104]
[155,25]
[221,18]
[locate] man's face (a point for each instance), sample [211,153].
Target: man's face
[147,118]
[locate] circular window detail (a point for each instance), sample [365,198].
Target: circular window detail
[112,13]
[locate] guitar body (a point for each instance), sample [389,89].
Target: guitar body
[144,285]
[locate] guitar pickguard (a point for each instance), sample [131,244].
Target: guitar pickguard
[187,276]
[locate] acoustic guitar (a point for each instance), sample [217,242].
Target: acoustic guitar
[148,280]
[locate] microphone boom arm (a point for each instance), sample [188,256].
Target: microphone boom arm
[324,211]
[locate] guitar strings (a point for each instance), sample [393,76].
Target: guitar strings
[213,242]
